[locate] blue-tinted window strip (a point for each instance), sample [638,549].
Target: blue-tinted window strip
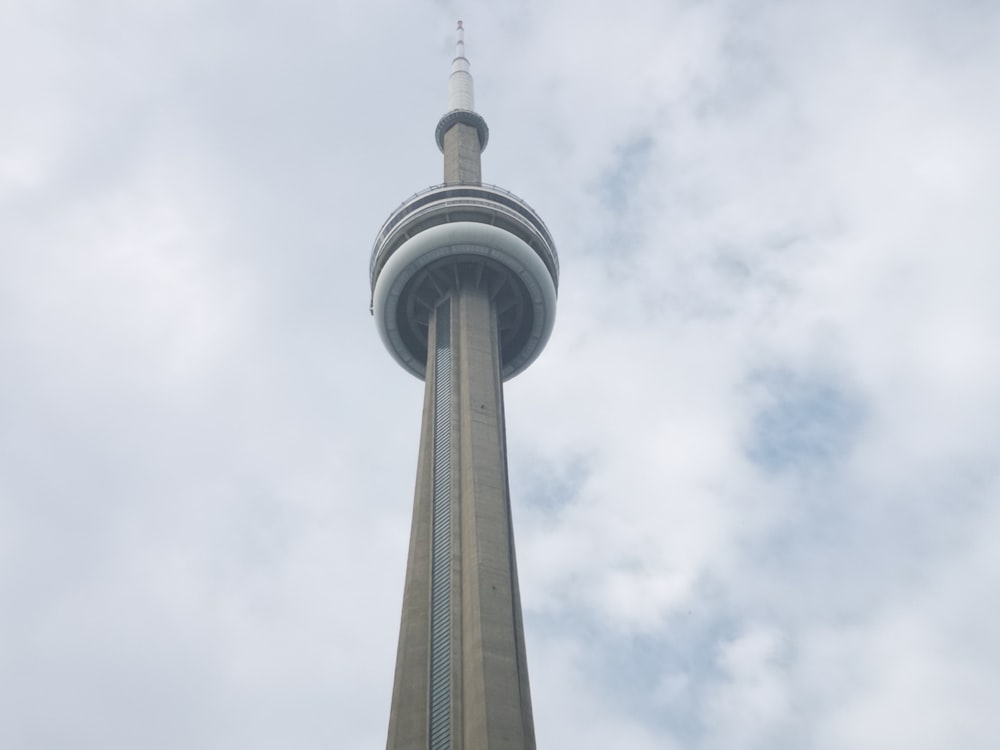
[440,689]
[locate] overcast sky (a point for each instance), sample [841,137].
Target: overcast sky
[755,474]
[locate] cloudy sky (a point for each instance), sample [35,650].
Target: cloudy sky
[756,473]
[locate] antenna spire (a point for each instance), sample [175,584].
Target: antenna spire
[460,80]
[461,124]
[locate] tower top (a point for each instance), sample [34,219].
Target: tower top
[464,231]
[460,81]
[461,102]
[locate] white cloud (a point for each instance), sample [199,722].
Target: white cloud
[754,473]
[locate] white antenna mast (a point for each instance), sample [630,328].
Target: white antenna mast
[460,80]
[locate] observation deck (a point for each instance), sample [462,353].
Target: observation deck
[454,234]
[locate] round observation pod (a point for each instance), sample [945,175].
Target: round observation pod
[450,235]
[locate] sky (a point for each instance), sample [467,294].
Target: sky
[755,475]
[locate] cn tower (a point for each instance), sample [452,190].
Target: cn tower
[463,278]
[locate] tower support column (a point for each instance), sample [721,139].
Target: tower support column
[488,704]
[462,155]
[495,680]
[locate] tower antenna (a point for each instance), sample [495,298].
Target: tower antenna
[460,81]
[461,162]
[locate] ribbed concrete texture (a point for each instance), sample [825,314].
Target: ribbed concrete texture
[488,695]
[462,155]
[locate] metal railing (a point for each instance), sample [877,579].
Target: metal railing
[491,197]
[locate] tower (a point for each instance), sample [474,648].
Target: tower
[464,279]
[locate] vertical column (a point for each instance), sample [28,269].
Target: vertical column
[462,155]
[496,702]
[409,717]
[461,674]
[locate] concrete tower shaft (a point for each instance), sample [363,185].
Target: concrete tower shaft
[461,675]
[463,279]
